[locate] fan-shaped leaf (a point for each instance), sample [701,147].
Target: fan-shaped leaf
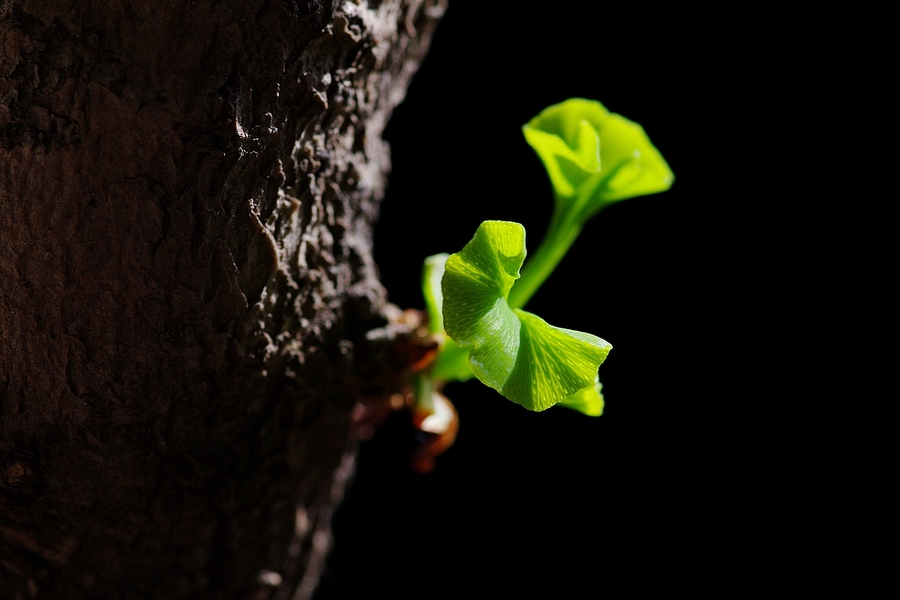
[594,157]
[588,400]
[452,362]
[515,352]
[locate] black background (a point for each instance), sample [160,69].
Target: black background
[712,468]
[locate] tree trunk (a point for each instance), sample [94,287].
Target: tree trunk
[187,192]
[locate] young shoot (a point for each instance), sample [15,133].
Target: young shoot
[474,298]
[593,158]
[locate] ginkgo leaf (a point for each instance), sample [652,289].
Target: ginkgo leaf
[594,157]
[515,352]
[432,272]
[452,362]
[587,400]
[567,165]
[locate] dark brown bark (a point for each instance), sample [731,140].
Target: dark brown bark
[187,191]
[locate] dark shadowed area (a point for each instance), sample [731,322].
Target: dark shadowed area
[704,471]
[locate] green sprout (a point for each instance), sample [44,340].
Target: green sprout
[593,158]
[474,298]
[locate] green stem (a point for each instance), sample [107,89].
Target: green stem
[561,234]
[425,393]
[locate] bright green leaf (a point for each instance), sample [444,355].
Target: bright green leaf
[515,352]
[587,400]
[452,362]
[595,157]
[432,272]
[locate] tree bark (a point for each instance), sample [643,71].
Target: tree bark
[187,193]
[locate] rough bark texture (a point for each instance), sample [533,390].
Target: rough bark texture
[187,191]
